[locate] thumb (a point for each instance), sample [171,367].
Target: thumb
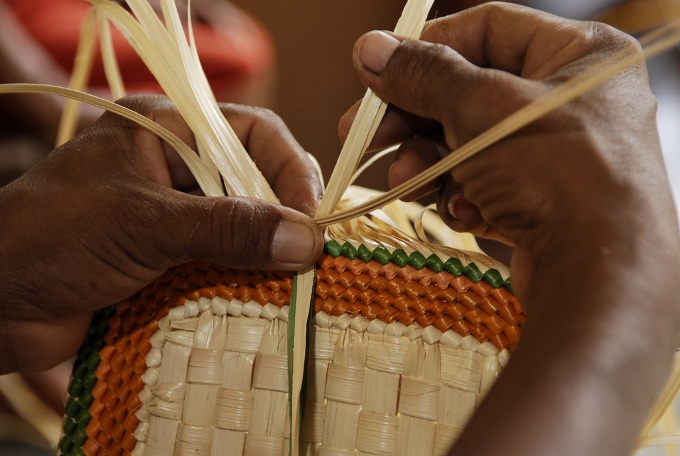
[434,81]
[242,233]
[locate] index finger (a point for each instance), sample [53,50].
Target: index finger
[283,162]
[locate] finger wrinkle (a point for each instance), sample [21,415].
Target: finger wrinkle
[242,239]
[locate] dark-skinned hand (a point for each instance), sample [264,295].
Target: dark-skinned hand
[111,210]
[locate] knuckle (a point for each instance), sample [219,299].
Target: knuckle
[266,114]
[146,103]
[422,65]
[606,38]
[153,106]
[255,112]
[596,41]
[238,231]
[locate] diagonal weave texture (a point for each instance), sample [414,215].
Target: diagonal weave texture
[401,350]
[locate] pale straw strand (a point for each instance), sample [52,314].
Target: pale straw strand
[371,111]
[79,77]
[111,68]
[209,186]
[28,405]
[361,133]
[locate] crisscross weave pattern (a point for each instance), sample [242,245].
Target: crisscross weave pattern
[400,353]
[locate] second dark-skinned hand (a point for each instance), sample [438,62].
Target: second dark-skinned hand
[581,195]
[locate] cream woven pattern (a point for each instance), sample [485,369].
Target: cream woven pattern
[216,383]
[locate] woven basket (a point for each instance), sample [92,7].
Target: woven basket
[401,349]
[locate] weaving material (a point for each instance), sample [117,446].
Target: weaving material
[401,350]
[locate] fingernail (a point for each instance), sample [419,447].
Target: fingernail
[293,243]
[451,205]
[376,49]
[461,208]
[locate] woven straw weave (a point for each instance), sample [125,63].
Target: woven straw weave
[401,350]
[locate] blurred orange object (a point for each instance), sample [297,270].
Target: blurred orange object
[232,46]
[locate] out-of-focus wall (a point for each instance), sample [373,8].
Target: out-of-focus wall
[316,80]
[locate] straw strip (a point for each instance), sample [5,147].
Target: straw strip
[360,135]
[210,187]
[665,400]
[672,440]
[297,348]
[82,67]
[398,223]
[30,407]
[368,118]
[367,164]
[111,68]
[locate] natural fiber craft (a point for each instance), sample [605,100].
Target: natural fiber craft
[401,350]
[401,346]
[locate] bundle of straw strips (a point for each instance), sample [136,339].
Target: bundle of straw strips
[386,346]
